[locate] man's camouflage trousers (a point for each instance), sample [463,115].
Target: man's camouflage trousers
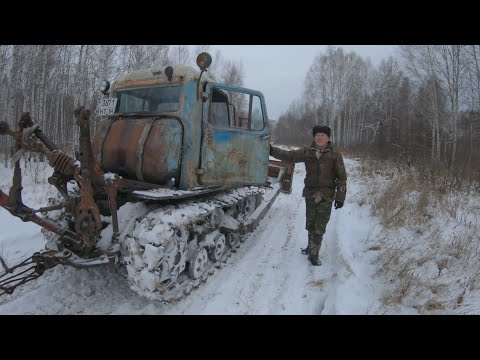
[317,215]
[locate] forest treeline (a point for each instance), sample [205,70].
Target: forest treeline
[420,106]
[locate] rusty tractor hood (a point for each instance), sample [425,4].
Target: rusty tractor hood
[141,148]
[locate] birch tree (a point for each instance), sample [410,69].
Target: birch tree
[451,63]
[331,84]
[385,86]
[180,54]
[419,62]
[135,57]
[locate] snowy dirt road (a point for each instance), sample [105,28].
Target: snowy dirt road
[267,275]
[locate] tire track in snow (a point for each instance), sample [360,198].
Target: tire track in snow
[261,272]
[298,286]
[342,253]
[334,264]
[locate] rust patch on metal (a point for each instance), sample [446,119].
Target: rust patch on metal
[143,149]
[140,149]
[138,83]
[161,157]
[3,199]
[120,146]
[87,215]
[99,140]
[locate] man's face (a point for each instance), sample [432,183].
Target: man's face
[321,140]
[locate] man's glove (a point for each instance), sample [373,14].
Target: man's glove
[338,204]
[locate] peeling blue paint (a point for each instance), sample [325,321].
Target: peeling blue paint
[195,151]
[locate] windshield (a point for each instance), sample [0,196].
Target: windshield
[149,99]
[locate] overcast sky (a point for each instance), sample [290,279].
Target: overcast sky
[278,71]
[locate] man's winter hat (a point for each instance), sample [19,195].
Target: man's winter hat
[321,129]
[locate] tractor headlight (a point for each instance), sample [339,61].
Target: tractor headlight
[104,86]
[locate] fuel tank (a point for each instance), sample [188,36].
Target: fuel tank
[143,149]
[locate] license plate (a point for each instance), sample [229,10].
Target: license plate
[106,107]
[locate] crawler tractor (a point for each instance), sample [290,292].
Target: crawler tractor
[190,158]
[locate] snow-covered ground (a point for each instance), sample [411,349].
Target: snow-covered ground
[267,275]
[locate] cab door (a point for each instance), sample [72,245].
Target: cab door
[235,137]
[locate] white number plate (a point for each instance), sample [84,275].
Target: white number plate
[106,106]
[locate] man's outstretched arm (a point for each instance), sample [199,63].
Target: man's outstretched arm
[285,155]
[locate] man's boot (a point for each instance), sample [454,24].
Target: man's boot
[314,249]
[305,250]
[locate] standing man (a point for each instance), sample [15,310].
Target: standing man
[325,182]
